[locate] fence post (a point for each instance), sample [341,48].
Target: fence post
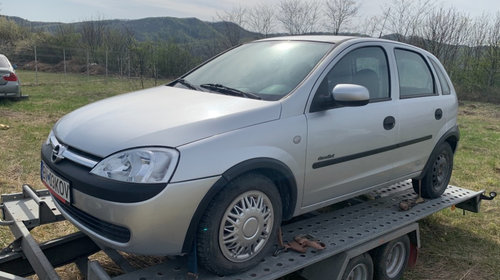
[64,60]
[36,68]
[155,66]
[106,63]
[88,62]
[128,54]
[120,63]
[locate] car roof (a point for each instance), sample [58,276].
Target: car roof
[315,38]
[340,39]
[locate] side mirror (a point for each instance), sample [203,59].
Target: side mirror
[350,95]
[14,66]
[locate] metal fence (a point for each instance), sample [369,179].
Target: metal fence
[153,61]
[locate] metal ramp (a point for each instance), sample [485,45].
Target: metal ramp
[21,213]
[346,228]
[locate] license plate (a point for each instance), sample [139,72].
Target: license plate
[58,186]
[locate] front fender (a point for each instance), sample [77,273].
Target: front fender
[276,147]
[277,171]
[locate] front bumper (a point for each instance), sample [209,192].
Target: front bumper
[157,226]
[148,219]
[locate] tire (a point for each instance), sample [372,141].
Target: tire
[359,268]
[438,174]
[390,260]
[252,225]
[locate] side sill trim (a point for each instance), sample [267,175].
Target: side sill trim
[329,162]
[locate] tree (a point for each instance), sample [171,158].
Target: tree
[93,34]
[492,55]
[65,36]
[118,42]
[297,16]
[442,33]
[261,19]
[232,21]
[340,12]
[372,26]
[10,32]
[143,58]
[402,17]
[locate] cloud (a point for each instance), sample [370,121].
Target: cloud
[184,8]
[94,3]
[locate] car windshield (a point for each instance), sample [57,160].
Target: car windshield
[265,70]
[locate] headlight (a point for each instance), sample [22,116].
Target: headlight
[143,165]
[49,141]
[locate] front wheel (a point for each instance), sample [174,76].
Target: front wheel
[240,225]
[437,176]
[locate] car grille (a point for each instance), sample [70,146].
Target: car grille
[105,229]
[72,154]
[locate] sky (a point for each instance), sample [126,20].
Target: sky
[80,10]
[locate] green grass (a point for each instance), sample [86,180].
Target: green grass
[453,246]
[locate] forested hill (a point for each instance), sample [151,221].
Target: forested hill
[177,30]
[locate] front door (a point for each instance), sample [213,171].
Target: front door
[351,148]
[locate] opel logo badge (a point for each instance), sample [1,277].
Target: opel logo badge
[57,153]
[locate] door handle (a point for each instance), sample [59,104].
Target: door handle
[438,114]
[389,122]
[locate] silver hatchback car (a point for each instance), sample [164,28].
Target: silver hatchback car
[9,83]
[269,130]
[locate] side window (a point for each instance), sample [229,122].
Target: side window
[445,87]
[366,66]
[415,77]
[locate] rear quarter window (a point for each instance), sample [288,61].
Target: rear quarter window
[445,87]
[4,62]
[415,76]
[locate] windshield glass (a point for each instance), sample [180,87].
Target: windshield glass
[269,69]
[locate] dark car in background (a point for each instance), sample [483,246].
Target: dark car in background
[10,85]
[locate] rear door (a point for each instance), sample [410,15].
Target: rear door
[421,110]
[349,148]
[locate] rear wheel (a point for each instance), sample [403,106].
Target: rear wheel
[240,225]
[390,259]
[359,268]
[437,176]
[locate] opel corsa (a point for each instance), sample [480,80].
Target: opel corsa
[261,133]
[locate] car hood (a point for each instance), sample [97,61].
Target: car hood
[161,116]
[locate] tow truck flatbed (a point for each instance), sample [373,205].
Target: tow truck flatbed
[347,229]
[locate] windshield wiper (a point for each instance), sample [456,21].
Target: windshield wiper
[230,91]
[187,84]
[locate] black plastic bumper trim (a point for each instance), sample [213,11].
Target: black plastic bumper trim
[110,231]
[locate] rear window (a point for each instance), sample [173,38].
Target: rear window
[445,87]
[4,62]
[415,77]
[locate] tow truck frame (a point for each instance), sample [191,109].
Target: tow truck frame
[348,229]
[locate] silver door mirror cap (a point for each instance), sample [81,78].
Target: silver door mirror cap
[350,95]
